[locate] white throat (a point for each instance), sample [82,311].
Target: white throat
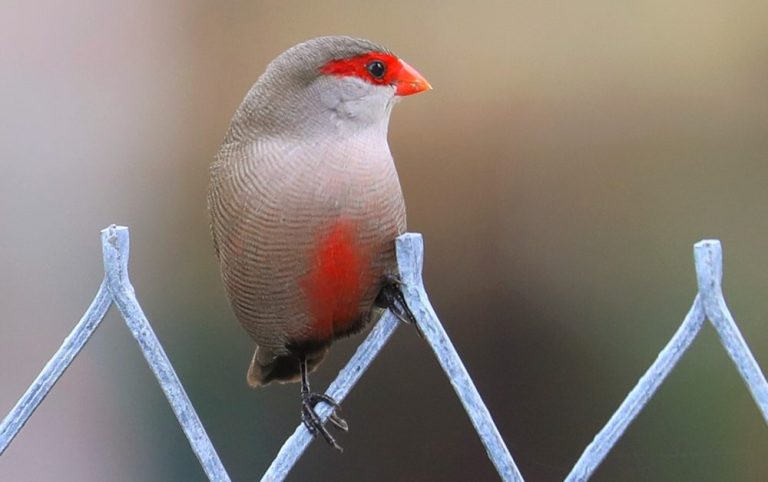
[355,106]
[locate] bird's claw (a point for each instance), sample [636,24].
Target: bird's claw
[314,423]
[392,298]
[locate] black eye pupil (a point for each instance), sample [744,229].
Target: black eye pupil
[377,69]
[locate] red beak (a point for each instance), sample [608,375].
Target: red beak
[409,81]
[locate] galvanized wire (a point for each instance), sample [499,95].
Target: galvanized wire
[604,441]
[117,288]
[410,256]
[297,443]
[709,273]
[53,370]
[115,246]
[709,303]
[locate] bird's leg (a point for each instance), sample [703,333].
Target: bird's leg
[392,298]
[308,415]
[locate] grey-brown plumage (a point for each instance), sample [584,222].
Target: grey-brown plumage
[305,202]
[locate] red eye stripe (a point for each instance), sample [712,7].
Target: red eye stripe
[358,67]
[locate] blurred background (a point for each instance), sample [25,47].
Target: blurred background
[563,166]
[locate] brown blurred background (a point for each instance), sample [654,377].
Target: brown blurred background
[566,161]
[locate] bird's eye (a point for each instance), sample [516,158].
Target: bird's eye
[377,69]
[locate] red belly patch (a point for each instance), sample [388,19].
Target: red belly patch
[334,285]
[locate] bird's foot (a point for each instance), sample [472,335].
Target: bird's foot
[392,298]
[312,420]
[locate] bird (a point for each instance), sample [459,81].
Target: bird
[305,205]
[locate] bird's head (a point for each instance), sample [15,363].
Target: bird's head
[330,83]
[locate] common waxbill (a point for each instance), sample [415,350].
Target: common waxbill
[305,206]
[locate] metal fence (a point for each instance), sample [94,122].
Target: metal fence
[116,288]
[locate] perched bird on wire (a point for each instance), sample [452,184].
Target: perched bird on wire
[305,206]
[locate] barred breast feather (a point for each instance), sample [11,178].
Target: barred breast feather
[305,234]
